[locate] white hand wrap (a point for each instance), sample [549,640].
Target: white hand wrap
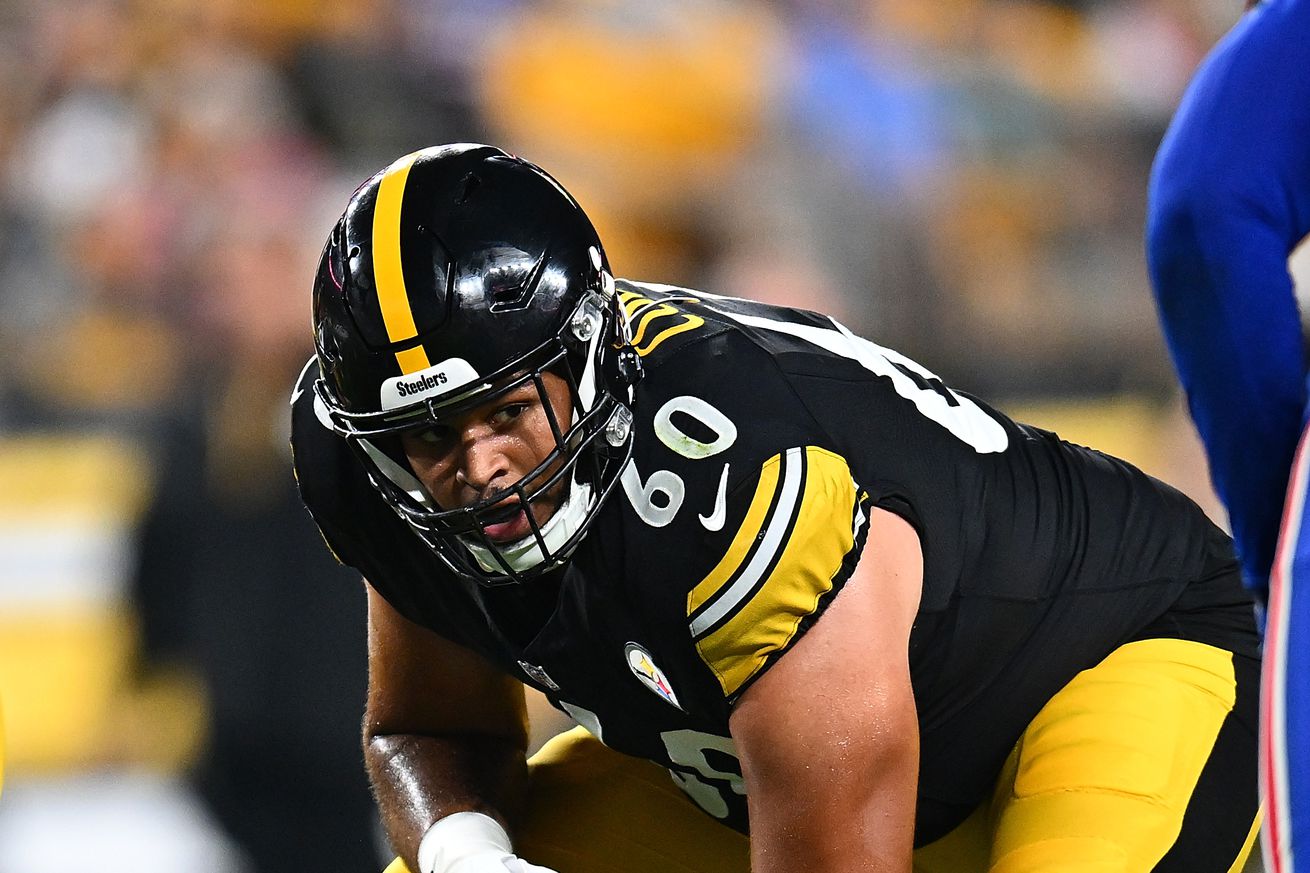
[469,842]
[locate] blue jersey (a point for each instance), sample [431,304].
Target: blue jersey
[1229,200]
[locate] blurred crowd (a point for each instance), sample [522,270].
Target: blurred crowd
[962,180]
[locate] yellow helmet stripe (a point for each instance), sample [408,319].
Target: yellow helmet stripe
[388,276]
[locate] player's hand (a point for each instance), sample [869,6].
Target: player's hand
[470,842]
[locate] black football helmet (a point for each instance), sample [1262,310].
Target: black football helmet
[457,274]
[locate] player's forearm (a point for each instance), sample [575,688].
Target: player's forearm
[869,830]
[846,805]
[418,779]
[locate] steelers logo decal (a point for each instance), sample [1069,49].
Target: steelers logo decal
[652,677]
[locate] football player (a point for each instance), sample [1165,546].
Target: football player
[791,584]
[1230,199]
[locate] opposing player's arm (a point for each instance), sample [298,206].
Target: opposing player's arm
[1229,199]
[444,731]
[828,737]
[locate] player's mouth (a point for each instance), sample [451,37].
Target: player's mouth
[507,523]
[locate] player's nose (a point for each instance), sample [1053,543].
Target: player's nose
[484,467]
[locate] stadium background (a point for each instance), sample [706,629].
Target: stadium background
[181,668]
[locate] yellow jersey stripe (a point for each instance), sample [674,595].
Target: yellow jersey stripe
[770,542]
[646,311]
[660,311]
[388,276]
[746,537]
[761,620]
[692,322]
[632,302]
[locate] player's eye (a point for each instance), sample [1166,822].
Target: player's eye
[507,413]
[437,435]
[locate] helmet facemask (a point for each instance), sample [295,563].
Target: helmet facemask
[591,351]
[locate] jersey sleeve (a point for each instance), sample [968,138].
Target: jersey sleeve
[760,522]
[363,532]
[801,531]
[1229,200]
[316,462]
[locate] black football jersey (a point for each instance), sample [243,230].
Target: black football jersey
[763,436]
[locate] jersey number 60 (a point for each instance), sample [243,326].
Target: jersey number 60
[658,499]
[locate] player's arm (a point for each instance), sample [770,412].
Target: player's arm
[1229,199]
[444,732]
[828,737]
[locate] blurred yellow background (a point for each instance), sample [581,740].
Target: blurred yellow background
[181,665]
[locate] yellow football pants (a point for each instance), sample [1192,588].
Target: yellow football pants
[1100,782]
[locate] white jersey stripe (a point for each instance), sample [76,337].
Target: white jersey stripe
[773,543]
[1273,716]
[964,418]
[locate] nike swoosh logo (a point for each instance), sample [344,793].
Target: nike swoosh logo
[714,521]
